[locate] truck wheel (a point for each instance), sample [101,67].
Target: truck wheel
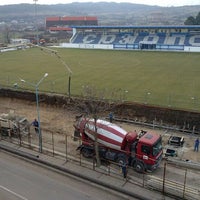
[139,167]
[121,160]
[86,153]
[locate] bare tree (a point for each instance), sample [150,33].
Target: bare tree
[6,34]
[93,106]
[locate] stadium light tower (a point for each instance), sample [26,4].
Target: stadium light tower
[36,86]
[36,25]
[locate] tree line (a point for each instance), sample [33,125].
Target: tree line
[193,20]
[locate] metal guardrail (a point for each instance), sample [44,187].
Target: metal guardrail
[159,126]
[174,188]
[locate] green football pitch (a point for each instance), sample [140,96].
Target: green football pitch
[169,79]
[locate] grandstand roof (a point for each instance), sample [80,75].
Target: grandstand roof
[52,18]
[139,27]
[60,29]
[72,18]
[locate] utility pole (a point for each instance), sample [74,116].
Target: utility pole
[69,71]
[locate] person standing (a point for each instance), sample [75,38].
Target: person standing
[111,117]
[124,170]
[36,125]
[196,145]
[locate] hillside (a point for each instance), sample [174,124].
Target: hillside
[107,13]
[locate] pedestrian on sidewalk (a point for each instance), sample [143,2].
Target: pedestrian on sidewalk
[196,145]
[124,170]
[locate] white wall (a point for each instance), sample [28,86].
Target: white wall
[110,46]
[192,49]
[86,46]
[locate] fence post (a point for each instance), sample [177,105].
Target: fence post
[52,136]
[18,132]
[184,184]
[164,173]
[66,147]
[80,158]
[143,180]
[0,131]
[193,129]
[80,151]
[29,137]
[9,131]
[20,136]
[94,163]
[109,168]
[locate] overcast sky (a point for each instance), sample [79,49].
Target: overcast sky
[148,2]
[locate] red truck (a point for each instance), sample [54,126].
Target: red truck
[143,152]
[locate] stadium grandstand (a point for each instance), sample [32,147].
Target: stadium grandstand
[139,37]
[56,24]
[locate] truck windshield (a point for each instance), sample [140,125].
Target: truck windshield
[157,148]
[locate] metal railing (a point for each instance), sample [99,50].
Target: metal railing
[182,184]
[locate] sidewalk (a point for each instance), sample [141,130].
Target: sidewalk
[97,176]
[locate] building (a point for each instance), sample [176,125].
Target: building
[56,24]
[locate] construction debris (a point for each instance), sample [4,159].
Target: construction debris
[13,125]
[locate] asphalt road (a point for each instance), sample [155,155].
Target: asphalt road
[21,180]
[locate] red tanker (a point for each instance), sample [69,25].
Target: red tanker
[118,145]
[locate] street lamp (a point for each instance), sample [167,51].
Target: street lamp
[146,97]
[125,92]
[36,86]
[193,99]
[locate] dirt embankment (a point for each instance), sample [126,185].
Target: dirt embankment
[187,121]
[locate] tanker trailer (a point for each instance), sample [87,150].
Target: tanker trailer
[117,145]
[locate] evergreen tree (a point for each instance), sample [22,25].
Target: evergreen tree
[198,19]
[193,21]
[190,21]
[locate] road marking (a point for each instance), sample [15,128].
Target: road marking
[14,193]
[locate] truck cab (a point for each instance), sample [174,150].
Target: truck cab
[148,152]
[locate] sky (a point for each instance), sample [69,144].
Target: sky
[167,3]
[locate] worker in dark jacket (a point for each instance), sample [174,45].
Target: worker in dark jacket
[35,123]
[196,145]
[111,117]
[124,170]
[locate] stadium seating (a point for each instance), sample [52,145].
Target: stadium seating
[132,40]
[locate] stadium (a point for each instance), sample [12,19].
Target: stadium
[85,30]
[178,38]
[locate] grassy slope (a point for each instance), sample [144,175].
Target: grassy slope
[163,78]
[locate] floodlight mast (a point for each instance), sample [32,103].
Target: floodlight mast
[36,25]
